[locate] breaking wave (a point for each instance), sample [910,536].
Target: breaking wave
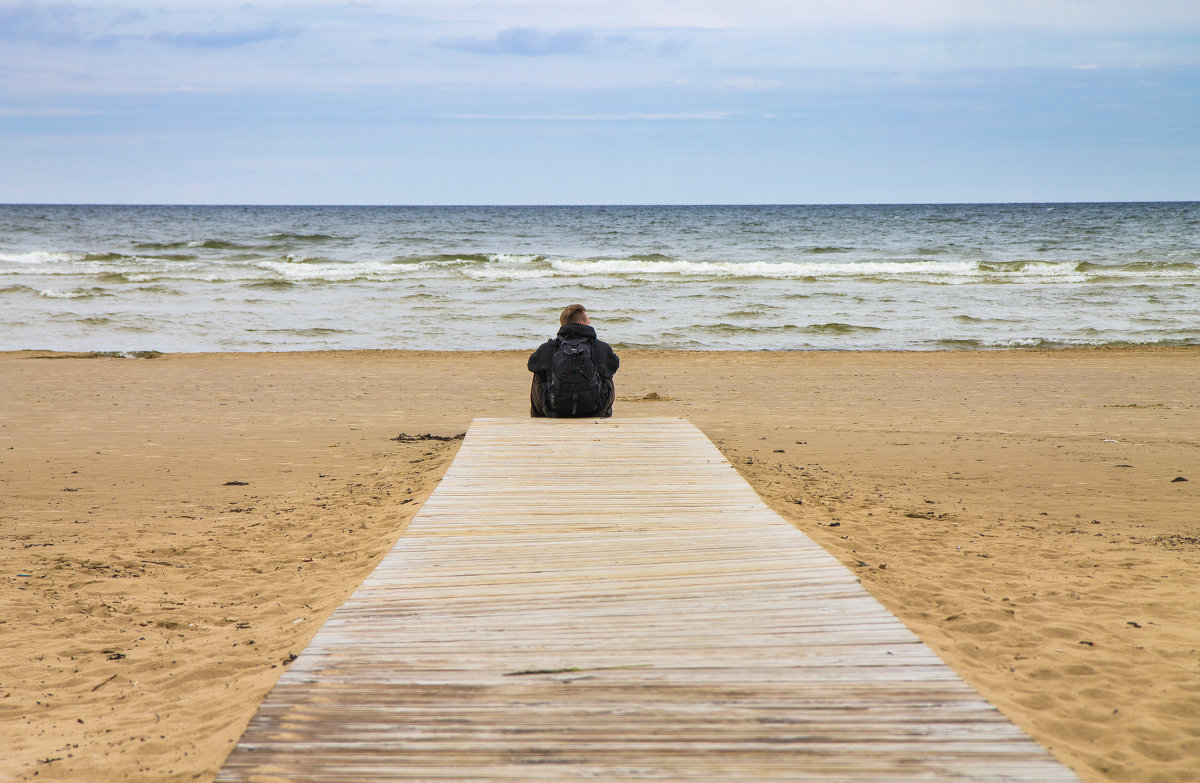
[37,257]
[299,267]
[50,293]
[905,277]
[914,271]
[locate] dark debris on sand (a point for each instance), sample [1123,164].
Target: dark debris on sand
[404,437]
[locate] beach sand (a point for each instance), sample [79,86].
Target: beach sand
[173,529]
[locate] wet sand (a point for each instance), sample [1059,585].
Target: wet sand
[173,529]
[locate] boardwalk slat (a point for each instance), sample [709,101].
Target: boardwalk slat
[610,600]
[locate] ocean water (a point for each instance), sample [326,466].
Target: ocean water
[194,278]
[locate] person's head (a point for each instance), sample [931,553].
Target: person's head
[573,314]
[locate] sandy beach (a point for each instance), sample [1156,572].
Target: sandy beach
[174,529]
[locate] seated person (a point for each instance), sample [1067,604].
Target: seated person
[573,373]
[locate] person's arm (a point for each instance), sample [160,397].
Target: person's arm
[538,361]
[611,362]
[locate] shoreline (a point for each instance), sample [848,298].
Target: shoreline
[116,354]
[716,353]
[1017,508]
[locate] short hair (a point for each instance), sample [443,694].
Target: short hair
[572,314]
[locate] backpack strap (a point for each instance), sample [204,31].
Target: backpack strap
[550,396]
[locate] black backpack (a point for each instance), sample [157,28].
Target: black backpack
[574,387]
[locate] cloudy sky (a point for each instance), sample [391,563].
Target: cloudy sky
[621,101]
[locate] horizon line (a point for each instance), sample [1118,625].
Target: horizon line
[591,204]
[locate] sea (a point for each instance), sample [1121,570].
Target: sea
[129,279]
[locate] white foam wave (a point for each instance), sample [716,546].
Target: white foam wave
[1101,273]
[37,257]
[499,267]
[74,270]
[768,269]
[933,272]
[50,293]
[338,272]
[492,274]
[512,258]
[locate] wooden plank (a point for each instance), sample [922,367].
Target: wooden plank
[610,600]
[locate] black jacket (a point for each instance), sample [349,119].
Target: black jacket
[540,363]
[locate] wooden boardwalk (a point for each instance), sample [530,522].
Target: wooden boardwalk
[609,600]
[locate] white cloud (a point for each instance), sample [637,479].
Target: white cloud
[231,45]
[906,15]
[527,42]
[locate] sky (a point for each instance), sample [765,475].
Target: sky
[614,102]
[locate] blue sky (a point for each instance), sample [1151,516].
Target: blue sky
[561,101]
